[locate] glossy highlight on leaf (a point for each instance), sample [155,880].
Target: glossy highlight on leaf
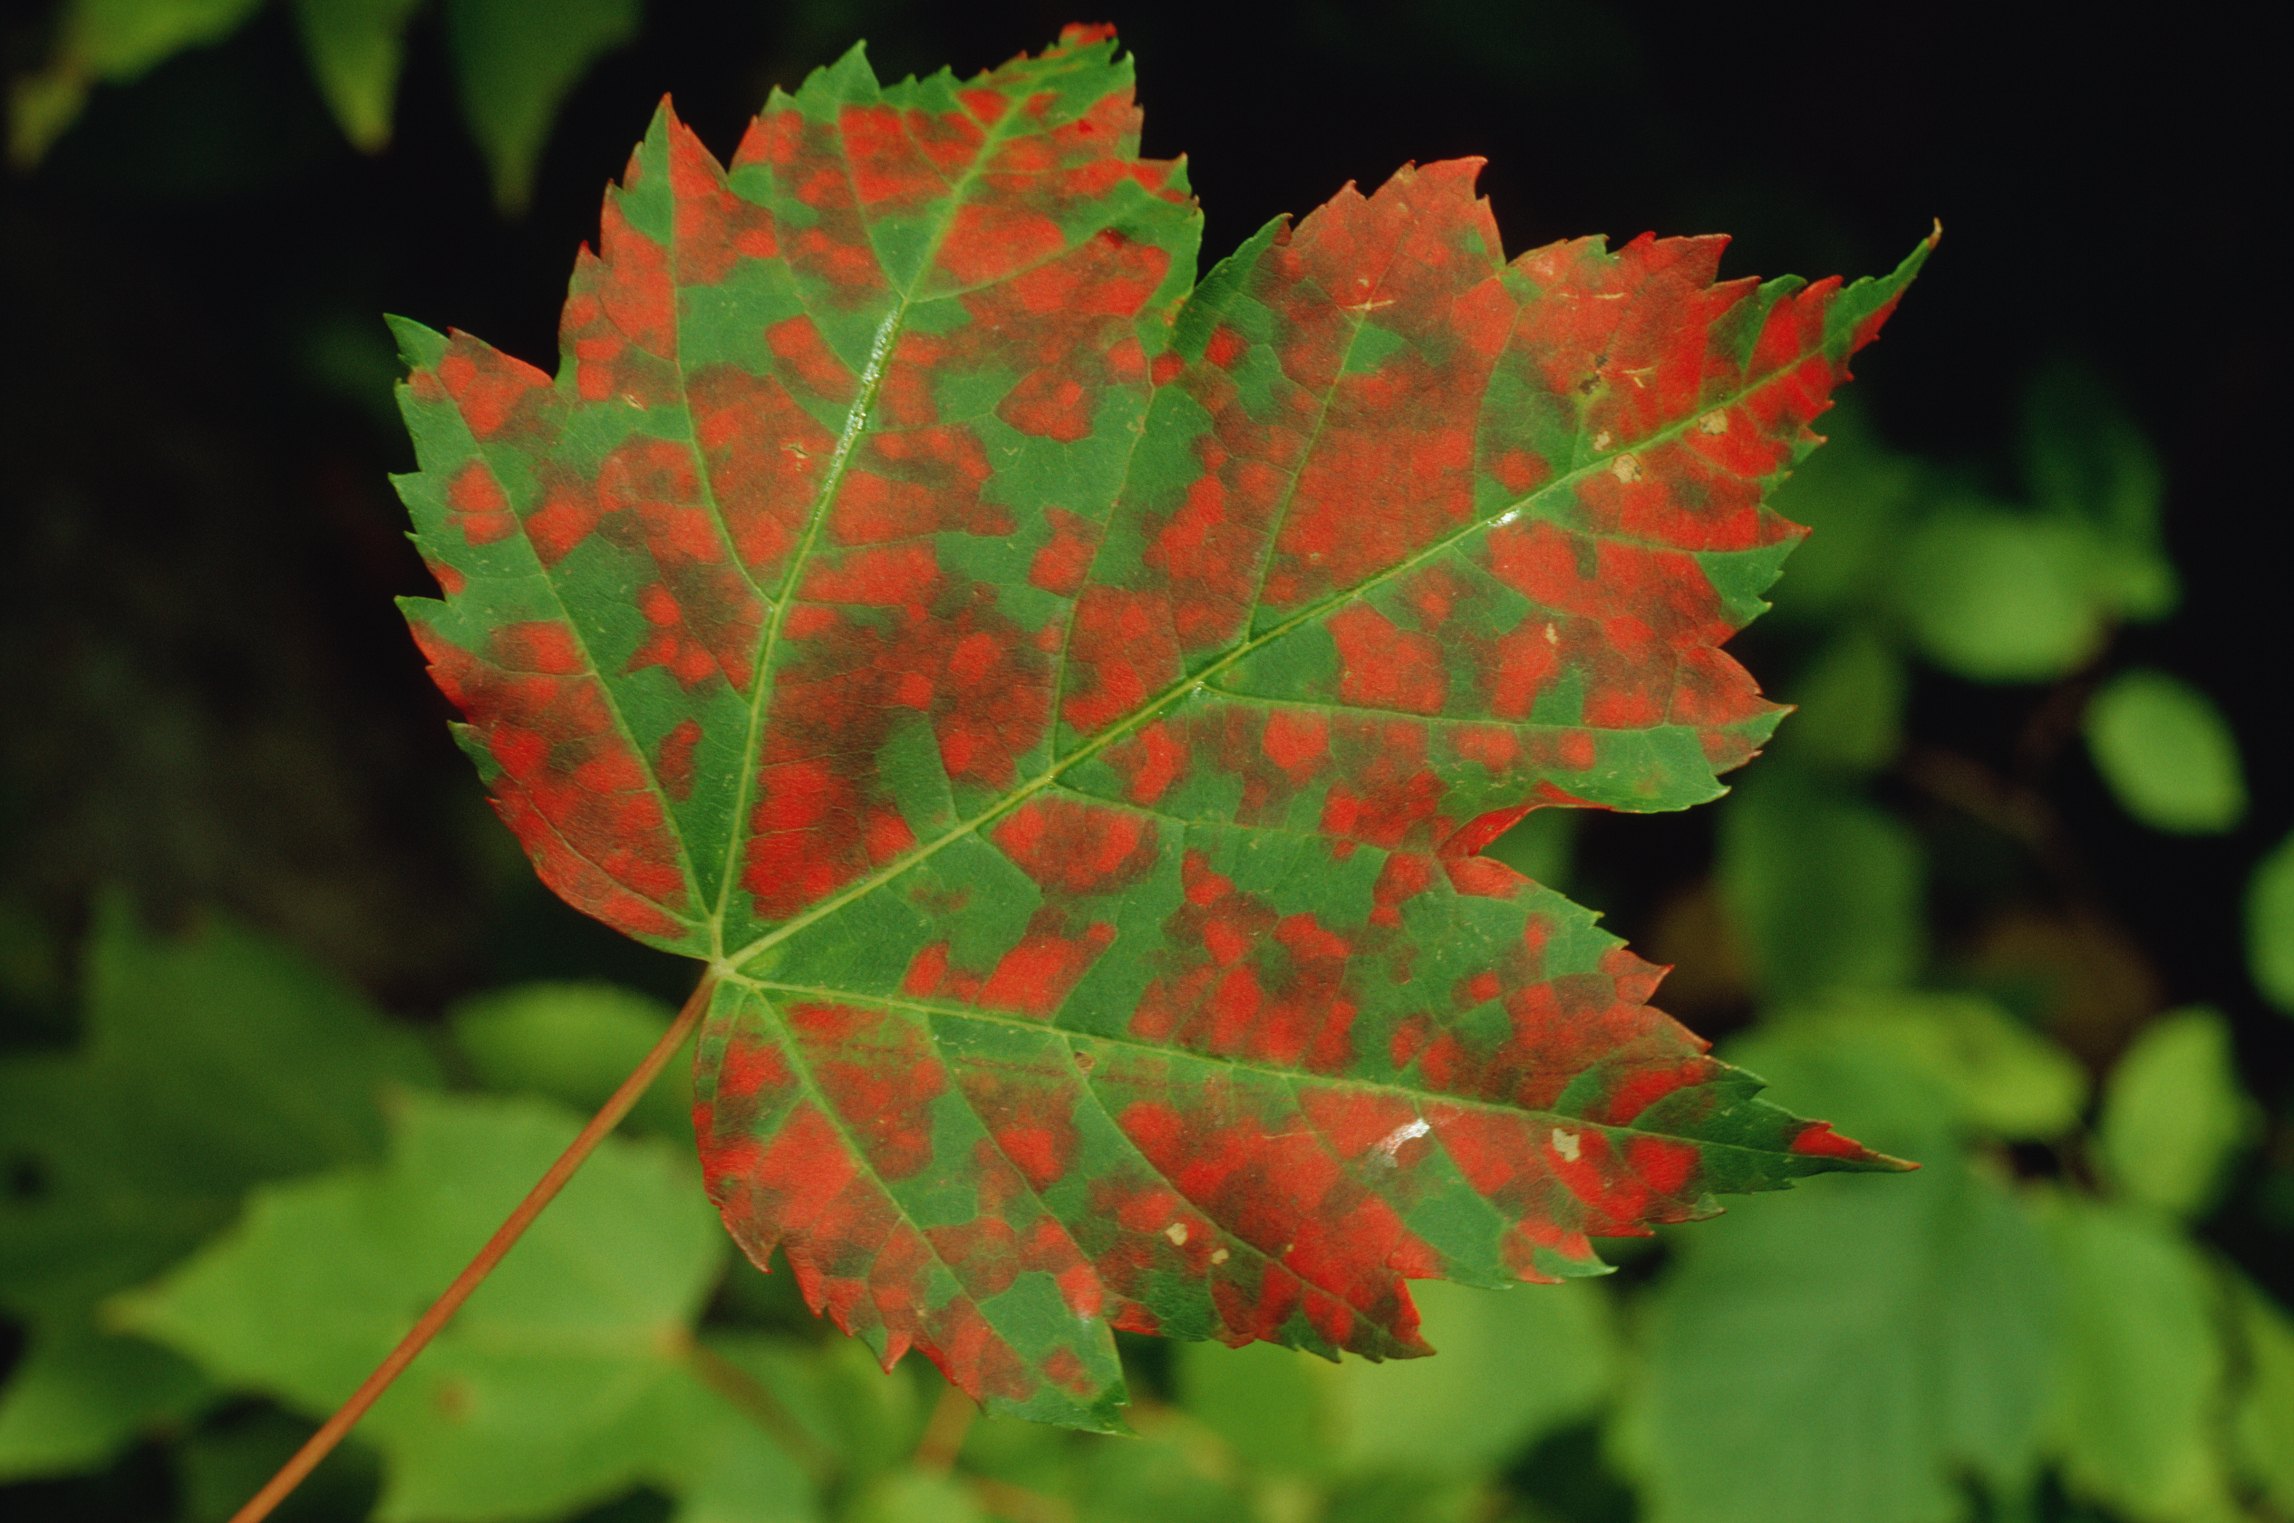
[1064,704]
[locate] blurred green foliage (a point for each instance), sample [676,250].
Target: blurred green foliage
[514,65]
[230,1179]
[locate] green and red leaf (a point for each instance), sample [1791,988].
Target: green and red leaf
[1063,705]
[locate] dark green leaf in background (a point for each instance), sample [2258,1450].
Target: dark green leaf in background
[108,42]
[574,1043]
[78,1396]
[209,1063]
[1849,705]
[567,1378]
[1823,889]
[1995,1076]
[516,63]
[355,48]
[2086,460]
[1514,1366]
[1857,497]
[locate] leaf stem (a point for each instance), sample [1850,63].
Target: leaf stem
[617,1105]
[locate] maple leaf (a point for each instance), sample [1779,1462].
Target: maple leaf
[1064,708]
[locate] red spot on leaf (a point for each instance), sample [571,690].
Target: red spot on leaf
[487,386]
[475,502]
[1385,667]
[1077,847]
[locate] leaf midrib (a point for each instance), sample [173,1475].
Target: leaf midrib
[855,424]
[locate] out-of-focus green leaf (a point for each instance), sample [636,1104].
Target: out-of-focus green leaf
[2138,1410]
[33,969]
[575,1043]
[1177,1471]
[1267,1402]
[2270,926]
[2264,1416]
[1385,1497]
[355,48]
[915,1496]
[2002,1079]
[109,42]
[515,66]
[210,1062]
[1850,706]
[220,1465]
[78,1396]
[1513,1366]
[2085,458]
[843,1409]
[2167,753]
[2001,596]
[564,1380]
[1849,1353]
[2174,1115]
[1543,847]
[1857,496]
[1823,890]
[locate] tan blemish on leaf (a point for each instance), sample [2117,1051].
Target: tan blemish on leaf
[1390,1145]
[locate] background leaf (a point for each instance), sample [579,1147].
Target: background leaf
[208,1064]
[78,1396]
[2140,1413]
[2265,1405]
[1824,890]
[574,1043]
[2270,925]
[564,1380]
[2000,595]
[1795,1359]
[2164,750]
[109,41]
[516,66]
[356,48]
[2174,1115]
